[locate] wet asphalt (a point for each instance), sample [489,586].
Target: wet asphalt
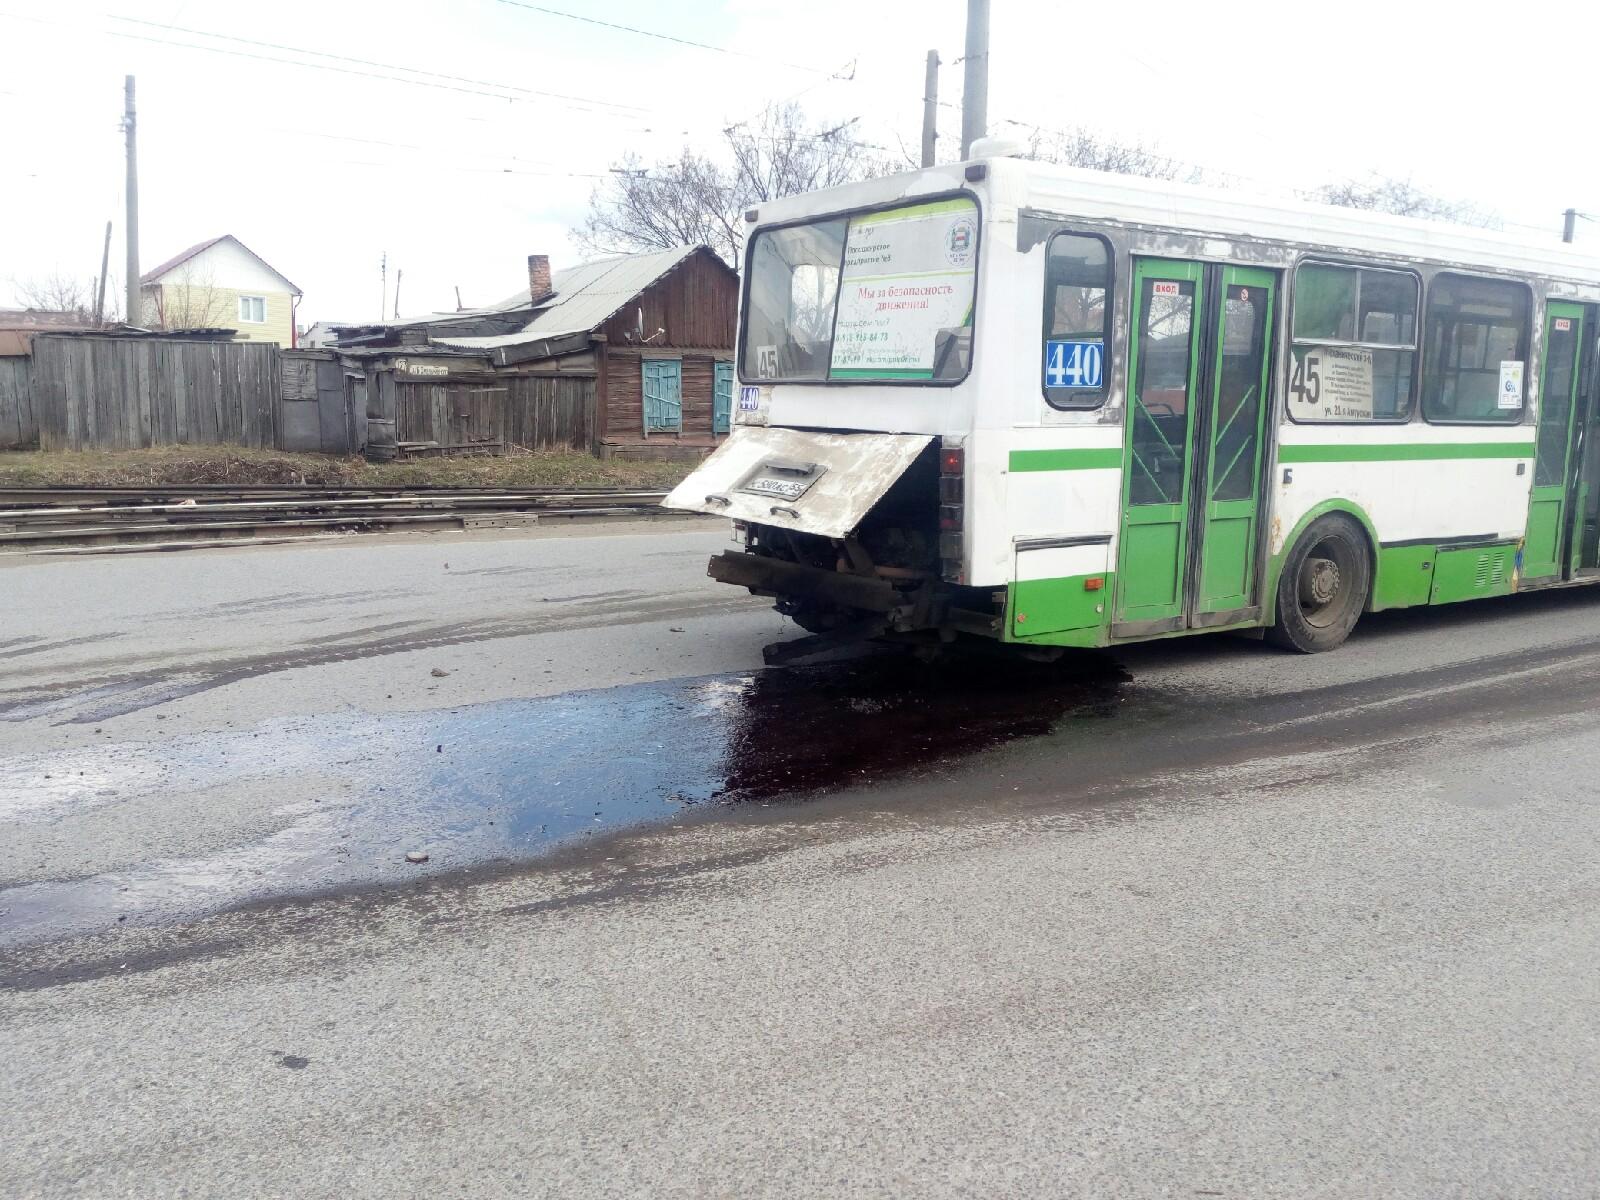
[1195,918]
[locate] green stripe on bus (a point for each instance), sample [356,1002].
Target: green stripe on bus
[1404,452]
[1067,460]
[914,211]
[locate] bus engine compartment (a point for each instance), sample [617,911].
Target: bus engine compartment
[841,571]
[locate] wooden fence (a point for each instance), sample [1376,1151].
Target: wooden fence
[19,427]
[105,393]
[535,411]
[323,406]
[117,393]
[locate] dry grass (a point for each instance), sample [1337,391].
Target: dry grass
[234,464]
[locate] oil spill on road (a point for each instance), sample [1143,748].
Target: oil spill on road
[813,728]
[508,780]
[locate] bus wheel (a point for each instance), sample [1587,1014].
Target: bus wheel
[1323,587]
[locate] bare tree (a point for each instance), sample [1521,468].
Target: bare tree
[776,154]
[57,293]
[1080,146]
[701,198]
[190,299]
[682,203]
[1403,199]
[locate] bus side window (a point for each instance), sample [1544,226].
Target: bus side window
[1077,320]
[1476,328]
[1354,350]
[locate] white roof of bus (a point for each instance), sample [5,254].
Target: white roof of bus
[1202,211]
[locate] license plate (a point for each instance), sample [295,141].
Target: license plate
[782,480]
[786,489]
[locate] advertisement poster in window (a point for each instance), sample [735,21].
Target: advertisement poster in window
[1331,383]
[1510,384]
[905,294]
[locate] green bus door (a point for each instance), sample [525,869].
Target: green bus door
[1549,499]
[1198,368]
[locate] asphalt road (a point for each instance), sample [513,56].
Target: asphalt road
[1198,918]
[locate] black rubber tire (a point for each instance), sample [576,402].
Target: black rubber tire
[1324,586]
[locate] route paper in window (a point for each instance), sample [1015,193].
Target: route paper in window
[908,278]
[1331,383]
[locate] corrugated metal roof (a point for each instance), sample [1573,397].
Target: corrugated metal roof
[586,296]
[41,318]
[18,325]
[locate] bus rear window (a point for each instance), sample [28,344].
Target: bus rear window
[878,296]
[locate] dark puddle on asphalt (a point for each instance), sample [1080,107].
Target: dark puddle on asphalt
[352,793]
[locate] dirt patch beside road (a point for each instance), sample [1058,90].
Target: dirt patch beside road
[169,465]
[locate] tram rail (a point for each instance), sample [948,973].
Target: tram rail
[36,519]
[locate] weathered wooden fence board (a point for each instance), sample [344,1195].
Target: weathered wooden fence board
[19,427]
[551,411]
[536,412]
[117,393]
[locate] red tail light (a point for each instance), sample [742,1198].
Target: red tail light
[952,513]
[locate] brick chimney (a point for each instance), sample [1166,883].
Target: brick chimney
[538,277]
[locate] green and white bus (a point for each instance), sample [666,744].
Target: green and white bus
[1060,408]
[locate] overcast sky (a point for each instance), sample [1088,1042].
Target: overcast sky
[323,171]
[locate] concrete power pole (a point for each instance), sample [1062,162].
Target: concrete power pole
[131,228]
[930,110]
[975,88]
[100,288]
[1569,224]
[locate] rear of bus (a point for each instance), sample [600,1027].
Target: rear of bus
[859,376]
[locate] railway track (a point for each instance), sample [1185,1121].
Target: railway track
[61,520]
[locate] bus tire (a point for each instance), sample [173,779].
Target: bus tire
[1323,587]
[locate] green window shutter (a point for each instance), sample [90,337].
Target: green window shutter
[722,399]
[663,395]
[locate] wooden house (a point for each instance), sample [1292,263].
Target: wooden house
[654,332]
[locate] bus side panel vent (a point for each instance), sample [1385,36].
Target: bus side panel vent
[1470,573]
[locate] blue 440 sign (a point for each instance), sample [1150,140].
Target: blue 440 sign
[1073,364]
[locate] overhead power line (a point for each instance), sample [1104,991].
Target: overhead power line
[366,62]
[429,79]
[664,37]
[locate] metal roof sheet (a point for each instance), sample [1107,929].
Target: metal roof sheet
[586,296]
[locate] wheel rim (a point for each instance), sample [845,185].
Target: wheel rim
[1326,588]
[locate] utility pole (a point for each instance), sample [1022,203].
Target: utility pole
[131,226]
[458,298]
[975,86]
[100,290]
[1569,224]
[399,274]
[930,109]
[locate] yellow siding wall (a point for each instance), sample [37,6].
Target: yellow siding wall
[220,307]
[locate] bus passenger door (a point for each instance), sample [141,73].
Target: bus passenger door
[1549,501]
[1163,367]
[1241,344]
[1191,519]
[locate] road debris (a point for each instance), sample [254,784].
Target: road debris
[416,856]
[438,672]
